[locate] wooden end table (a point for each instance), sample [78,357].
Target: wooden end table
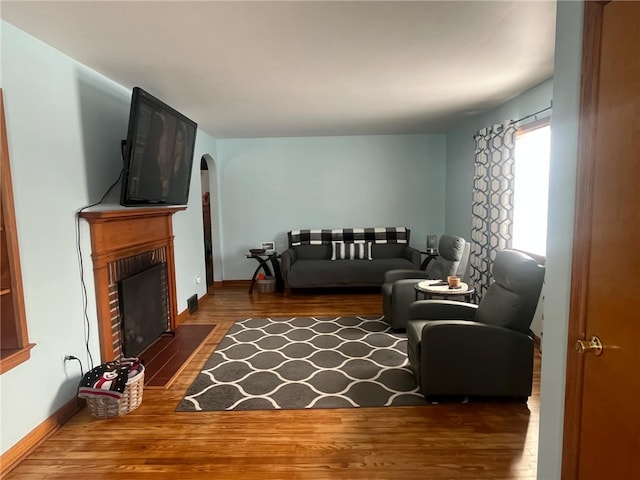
[263,260]
[430,255]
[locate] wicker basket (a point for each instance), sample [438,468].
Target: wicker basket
[266,285]
[130,400]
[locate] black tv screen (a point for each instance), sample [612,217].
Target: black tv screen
[158,154]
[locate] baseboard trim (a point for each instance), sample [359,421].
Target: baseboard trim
[182,316]
[230,283]
[16,454]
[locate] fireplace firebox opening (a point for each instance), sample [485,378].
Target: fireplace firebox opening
[144,309]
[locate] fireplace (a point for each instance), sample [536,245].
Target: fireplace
[125,244]
[144,313]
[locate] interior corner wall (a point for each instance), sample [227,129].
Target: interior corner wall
[461,152]
[64,127]
[272,185]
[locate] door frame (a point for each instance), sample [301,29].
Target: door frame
[214,203]
[589,85]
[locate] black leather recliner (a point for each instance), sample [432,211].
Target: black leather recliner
[462,349]
[398,286]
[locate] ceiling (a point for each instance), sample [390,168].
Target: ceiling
[302,68]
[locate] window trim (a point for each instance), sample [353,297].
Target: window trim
[535,125]
[18,349]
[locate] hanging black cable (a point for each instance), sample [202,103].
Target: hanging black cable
[81,266]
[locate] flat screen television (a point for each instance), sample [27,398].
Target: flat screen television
[158,153]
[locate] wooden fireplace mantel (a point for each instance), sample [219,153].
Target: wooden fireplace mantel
[121,233]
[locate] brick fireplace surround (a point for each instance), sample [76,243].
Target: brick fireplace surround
[124,242]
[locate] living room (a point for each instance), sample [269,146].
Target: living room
[267,186]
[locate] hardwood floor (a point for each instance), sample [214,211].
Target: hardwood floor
[169,355]
[436,442]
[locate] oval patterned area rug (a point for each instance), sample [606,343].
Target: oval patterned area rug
[305,362]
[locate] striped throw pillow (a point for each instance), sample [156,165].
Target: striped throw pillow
[350,251]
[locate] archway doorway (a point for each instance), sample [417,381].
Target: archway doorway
[206,221]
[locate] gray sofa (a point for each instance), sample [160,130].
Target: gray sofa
[308,263]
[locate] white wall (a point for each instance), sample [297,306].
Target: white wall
[564,147]
[270,186]
[64,126]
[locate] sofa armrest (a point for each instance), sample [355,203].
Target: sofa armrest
[287,258]
[391,276]
[413,254]
[442,310]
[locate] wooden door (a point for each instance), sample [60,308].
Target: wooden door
[602,409]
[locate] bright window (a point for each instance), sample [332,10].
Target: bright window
[531,189]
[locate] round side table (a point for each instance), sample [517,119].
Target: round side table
[430,289]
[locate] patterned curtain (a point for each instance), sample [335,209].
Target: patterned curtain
[492,209]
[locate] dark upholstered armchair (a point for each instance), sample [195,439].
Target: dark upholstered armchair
[457,348]
[397,288]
